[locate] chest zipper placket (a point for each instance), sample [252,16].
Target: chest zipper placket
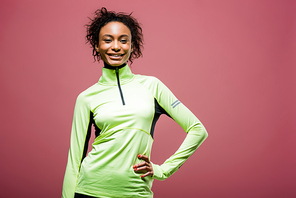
[119,87]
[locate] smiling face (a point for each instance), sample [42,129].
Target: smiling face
[115,44]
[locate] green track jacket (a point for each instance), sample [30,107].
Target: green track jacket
[124,109]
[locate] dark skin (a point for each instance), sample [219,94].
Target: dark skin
[144,167]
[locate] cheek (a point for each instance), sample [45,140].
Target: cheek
[128,49]
[102,47]
[102,50]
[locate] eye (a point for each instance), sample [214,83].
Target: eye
[107,40]
[123,41]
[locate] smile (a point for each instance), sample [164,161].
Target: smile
[115,56]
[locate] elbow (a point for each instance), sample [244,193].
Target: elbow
[199,131]
[205,134]
[202,132]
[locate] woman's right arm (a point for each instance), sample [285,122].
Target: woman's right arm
[80,134]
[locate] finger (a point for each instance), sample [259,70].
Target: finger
[140,164]
[147,174]
[142,168]
[144,157]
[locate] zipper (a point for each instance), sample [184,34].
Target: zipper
[119,87]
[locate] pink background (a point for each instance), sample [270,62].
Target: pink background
[231,62]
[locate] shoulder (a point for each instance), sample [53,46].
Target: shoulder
[153,84]
[86,95]
[147,79]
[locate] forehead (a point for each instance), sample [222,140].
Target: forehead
[115,28]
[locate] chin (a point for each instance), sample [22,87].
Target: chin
[115,64]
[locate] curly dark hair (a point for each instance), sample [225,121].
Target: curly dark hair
[101,18]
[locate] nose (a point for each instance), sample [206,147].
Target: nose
[116,46]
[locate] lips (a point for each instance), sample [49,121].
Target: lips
[115,56]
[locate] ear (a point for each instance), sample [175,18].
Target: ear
[97,47]
[132,48]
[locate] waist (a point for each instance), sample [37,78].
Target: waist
[115,183]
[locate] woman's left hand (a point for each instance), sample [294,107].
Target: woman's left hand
[145,166]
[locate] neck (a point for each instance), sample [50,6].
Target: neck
[113,67]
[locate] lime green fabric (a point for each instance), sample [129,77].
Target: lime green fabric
[107,171]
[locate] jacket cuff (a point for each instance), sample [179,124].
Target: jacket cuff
[158,172]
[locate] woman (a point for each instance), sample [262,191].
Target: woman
[124,108]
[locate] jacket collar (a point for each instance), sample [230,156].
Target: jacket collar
[109,76]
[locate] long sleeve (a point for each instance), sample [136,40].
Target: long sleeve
[80,134]
[196,132]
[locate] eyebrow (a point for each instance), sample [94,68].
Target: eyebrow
[112,36]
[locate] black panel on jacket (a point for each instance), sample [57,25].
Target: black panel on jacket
[88,134]
[158,111]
